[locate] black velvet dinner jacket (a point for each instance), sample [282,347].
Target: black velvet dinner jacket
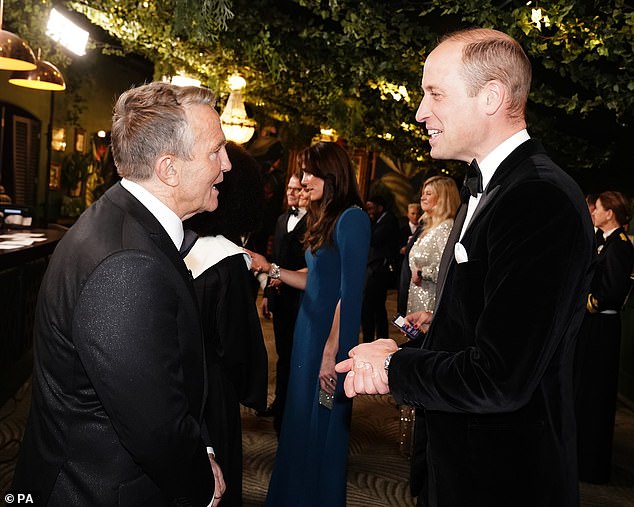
[495,371]
[119,377]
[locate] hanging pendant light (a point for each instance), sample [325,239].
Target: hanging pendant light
[45,76]
[236,126]
[15,53]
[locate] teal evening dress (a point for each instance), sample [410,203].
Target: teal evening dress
[312,455]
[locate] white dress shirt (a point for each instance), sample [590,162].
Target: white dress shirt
[293,220]
[166,217]
[489,165]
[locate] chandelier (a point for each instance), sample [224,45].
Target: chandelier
[235,124]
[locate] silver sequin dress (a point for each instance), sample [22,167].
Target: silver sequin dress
[425,256]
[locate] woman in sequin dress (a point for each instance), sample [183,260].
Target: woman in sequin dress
[439,201]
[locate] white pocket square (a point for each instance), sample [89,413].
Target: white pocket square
[460,253]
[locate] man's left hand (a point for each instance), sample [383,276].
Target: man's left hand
[219,482]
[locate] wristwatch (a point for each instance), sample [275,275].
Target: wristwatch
[274,272]
[386,363]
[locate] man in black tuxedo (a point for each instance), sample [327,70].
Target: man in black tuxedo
[381,269]
[494,373]
[119,380]
[280,299]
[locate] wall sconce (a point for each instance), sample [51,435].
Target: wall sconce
[58,141]
[326,135]
[235,123]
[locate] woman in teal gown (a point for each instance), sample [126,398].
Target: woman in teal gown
[312,454]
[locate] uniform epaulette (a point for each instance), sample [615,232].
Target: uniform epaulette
[623,237]
[592,304]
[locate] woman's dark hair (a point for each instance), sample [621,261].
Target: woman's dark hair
[331,163]
[619,205]
[240,200]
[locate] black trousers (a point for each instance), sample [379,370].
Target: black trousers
[284,317]
[374,322]
[596,386]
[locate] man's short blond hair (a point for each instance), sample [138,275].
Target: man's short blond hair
[493,55]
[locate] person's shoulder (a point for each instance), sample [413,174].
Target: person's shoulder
[354,214]
[624,243]
[445,225]
[353,222]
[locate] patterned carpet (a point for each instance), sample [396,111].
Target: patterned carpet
[378,465]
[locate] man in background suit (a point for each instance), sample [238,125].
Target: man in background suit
[494,373]
[119,381]
[411,224]
[282,300]
[381,272]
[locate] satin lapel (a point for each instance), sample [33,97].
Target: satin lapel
[485,200]
[124,199]
[504,175]
[448,253]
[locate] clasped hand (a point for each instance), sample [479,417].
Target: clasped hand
[365,368]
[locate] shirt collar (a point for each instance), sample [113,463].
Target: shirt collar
[166,217]
[607,234]
[491,162]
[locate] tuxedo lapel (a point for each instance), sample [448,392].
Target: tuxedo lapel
[503,176]
[125,200]
[485,200]
[448,252]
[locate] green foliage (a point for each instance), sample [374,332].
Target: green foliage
[75,169]
[328,63]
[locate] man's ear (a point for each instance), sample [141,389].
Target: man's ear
[493,96]
[166,171]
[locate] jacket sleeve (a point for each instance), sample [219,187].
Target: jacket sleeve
[612,280]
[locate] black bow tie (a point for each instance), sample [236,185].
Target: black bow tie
[293,211]
[189,238]
[473,179]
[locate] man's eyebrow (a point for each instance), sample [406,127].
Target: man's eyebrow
[218,145]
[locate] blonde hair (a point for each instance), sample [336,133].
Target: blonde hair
[447,201]
[492,55]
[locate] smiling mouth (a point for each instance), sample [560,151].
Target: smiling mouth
[433,133]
